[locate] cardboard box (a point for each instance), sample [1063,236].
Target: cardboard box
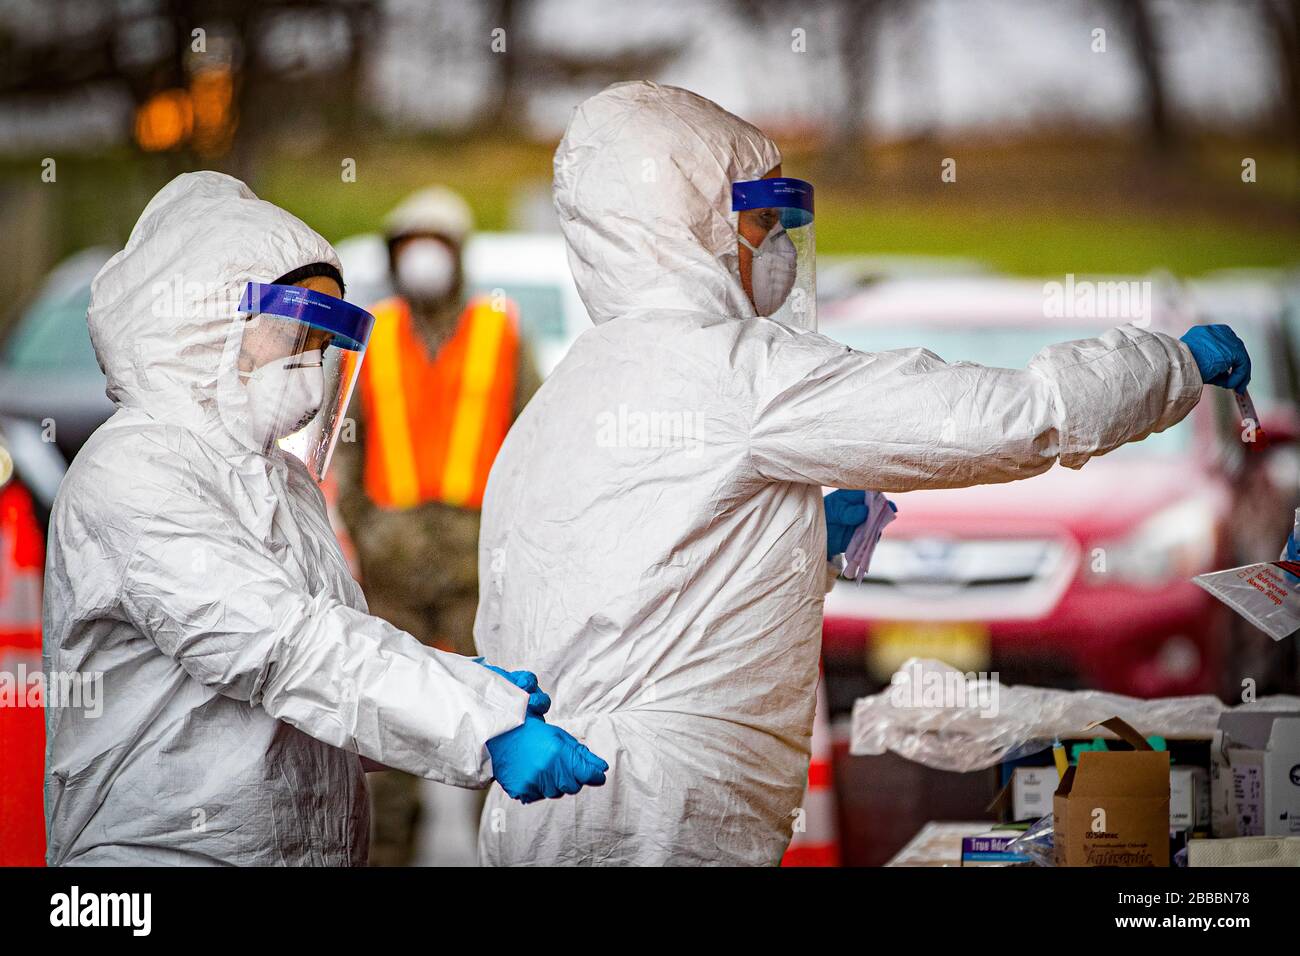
[1232,791]
[1255,775]
[1248,792]
[1112,808]
[1189,798]
[1282,779]
[1032,789]
[1223,813]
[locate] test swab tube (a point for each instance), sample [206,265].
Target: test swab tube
[1252,434]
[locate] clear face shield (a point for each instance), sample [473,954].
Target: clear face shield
[784,273]
[288,370]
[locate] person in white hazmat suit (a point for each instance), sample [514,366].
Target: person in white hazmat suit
[194,586]
[669,592]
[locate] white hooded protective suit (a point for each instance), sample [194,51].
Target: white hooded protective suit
[653,541]
[201,584]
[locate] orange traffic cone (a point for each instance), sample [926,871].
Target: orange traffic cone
[816,839]
[22,711]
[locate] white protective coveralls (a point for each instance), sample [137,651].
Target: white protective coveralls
[241,674]
[653,539]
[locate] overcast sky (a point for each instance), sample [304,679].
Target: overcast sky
[961,64]
[956,65]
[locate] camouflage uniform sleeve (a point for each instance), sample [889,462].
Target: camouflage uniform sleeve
[349,471]
[527,379]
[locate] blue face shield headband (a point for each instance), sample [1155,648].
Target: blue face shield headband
[792,198]
[350,325]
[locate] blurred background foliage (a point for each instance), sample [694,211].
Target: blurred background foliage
[1068,158]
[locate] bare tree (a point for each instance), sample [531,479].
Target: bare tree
[523,68]
[1282,21]
[859,34]
[858,24]
[47,69]
[1136,19]
[506,108]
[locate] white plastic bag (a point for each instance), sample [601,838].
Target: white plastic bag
[1267,594]
[1261,593]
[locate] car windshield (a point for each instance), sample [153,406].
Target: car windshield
[541,305]
[52,336]
[999,347]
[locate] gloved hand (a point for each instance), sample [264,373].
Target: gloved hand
[539,702]
[537,760]
[845,510]
[1220,356]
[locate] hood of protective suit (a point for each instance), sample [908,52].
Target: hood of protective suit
[162,308]
[643,190]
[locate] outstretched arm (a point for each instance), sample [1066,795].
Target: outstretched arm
[902,420]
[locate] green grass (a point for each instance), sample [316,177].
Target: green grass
[1026,208]
[488,174]
[1029,241]
[1030,233]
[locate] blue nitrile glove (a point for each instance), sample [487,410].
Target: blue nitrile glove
[539,702]
[537,760]
[1220,356]
[845,510]
[1292,554]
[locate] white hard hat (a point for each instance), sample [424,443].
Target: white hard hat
[435,209]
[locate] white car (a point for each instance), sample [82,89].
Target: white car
[530,268]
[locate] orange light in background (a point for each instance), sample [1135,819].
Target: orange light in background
[212,93]
[202,116]
[164,121]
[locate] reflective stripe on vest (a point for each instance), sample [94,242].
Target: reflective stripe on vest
[434,426]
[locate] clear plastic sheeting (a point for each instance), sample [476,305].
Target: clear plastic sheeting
[1038,842]
[949,720]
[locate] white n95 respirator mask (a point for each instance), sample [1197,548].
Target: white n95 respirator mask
[426,270]
[284,395]
[774,268]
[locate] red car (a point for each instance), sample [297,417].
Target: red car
[22,717]
[1071,578]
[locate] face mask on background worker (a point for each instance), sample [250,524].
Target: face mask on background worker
[426,270]
[778,249]
[287,371]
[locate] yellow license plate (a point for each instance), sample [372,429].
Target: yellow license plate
[966,646]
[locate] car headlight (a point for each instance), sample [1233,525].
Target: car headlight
[1175,542]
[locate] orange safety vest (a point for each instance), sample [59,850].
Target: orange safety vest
[435,425]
